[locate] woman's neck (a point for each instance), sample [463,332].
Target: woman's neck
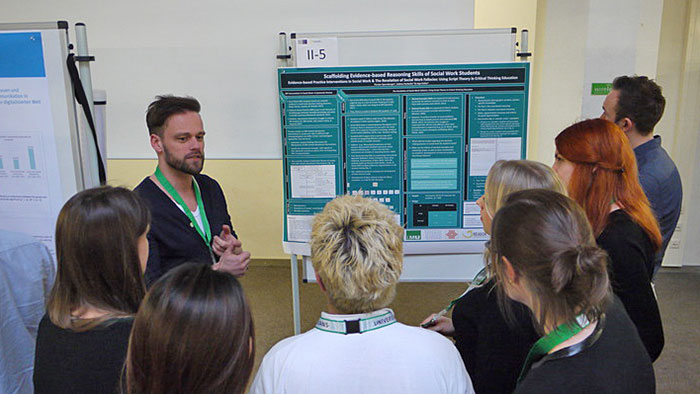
[579,337]
[89,312]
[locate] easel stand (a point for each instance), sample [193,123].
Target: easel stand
[327,82]
[295,294]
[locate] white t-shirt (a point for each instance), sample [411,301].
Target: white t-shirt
[392,359]
[196,213]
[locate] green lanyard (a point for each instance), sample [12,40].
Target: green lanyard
[206,234]
[476,282]
[548,342]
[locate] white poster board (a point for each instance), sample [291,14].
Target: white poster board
[405,48]
[39,160]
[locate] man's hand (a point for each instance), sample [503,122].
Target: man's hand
[224,240]
[231,262]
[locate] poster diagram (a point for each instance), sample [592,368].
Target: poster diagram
[24,186]
[419,139]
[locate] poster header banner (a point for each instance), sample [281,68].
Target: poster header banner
[401,76]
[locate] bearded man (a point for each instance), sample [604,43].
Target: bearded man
[190,220]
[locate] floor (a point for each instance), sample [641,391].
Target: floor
[268,287]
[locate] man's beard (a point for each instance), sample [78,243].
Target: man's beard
[183,165]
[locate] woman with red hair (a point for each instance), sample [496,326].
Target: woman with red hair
[595,161]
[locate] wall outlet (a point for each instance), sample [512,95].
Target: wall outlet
[675,244]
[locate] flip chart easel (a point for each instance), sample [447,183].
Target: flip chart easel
[43,160]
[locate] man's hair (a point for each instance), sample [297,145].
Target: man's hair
[193,334]
[166,106]
[97,235]
[357,251]
[640,100]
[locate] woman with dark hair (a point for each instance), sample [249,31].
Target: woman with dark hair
[101,251]
[544,256]
[596,162]
[192,334]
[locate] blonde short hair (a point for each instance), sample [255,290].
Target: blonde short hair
[357,251]
[508,176]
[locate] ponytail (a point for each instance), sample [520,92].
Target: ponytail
[580,275]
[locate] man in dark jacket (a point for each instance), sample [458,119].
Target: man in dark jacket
[190,218]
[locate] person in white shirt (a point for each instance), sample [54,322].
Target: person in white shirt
[358,346]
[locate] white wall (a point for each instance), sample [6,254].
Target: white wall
[622,38]
[558,79]
[584,41]
[222,52]
[679,74]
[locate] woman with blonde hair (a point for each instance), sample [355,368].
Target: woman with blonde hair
[595,160]
[484,336]
[101,251]
[544,256]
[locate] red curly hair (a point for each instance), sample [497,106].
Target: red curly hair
[605,171]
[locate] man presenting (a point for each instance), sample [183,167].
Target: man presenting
[636,104]
[190,221]
[358,346]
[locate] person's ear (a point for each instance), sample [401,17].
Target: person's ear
[625,124]
[320,282]
[511,274]
[156,143]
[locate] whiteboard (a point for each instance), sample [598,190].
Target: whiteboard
[40,165]
[221,52]
[418,47]
[404,48]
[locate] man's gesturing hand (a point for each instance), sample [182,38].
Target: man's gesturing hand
[231,262]
[225,239]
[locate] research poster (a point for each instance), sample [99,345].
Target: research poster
[419,139]
[31,191]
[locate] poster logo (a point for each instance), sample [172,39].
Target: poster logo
[413,235]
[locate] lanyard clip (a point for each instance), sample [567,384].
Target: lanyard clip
[352,326]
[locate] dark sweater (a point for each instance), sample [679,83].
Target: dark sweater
[172,240]
[632,259]
[80,362]
[492,350]
[615,363]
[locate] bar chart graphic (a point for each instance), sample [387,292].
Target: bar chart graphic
[24,185]
[19,152]
[32,160]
